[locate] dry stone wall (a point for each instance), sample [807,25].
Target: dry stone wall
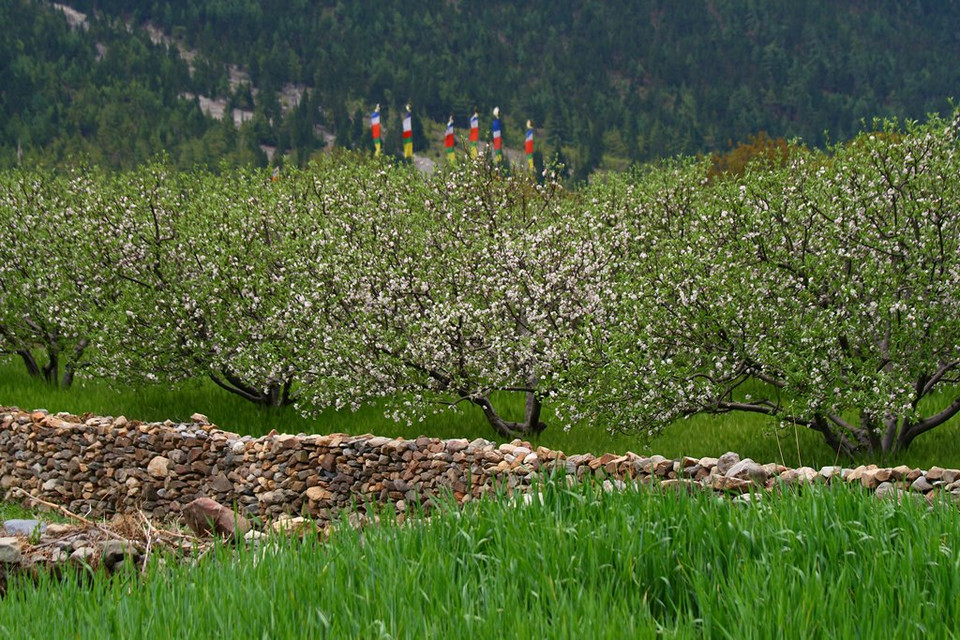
[100,466]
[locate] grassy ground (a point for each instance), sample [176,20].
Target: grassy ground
[830,563]
[749,435]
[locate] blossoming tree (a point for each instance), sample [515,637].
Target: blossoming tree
[824,294]
[449,289]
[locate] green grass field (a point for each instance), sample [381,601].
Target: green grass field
[749,435]
[828,563]
[835,563]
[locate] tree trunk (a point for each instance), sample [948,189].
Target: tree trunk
[51,371]
[509,429]
[33,369]
[70,368]
[892,435]
[275,395]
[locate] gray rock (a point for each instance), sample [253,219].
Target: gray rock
[271,497]
[921,485]
[887,490]
[747,469]
[748,498]
[23,527]
[83,555]
[113,552]
[726,461]
[10,550]
[829,472]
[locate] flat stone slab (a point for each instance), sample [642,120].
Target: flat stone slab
[18,527]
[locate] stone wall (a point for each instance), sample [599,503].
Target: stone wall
[99,466]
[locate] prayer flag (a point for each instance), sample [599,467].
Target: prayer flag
[528,145]
[497,140]
[450,143]
[474,134]
[408,134]
[375,130]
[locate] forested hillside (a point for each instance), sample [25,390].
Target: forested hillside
[605,83]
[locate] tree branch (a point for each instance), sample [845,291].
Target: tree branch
[929,423]
[937,377]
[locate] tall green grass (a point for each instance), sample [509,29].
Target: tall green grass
[584,564]
[749,435]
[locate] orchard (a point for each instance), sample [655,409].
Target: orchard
[821,289]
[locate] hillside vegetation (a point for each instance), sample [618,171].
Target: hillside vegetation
[606,84]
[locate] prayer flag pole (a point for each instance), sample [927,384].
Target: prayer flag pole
[474,134]
[450,142]
[528,145]
[497,139]
[375,130]
[407,133]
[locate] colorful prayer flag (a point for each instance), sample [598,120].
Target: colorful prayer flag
[474,134]
[375,130]
[497,140]
[450,143]
[528,145]
[408,134]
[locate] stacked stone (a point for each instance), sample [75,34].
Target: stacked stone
[101,466]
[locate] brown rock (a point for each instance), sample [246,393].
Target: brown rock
[900,472]
[801,476]
[221,483]
[913,475]
[734,485]
[663,468]
[318,494]
[855,475]
[159,467]
[934,474]
[679,485]
[205,516]
[328,462]
[869,478]
[296,526]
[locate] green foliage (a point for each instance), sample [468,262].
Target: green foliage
[635,564]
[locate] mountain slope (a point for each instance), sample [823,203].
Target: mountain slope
[605,83]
